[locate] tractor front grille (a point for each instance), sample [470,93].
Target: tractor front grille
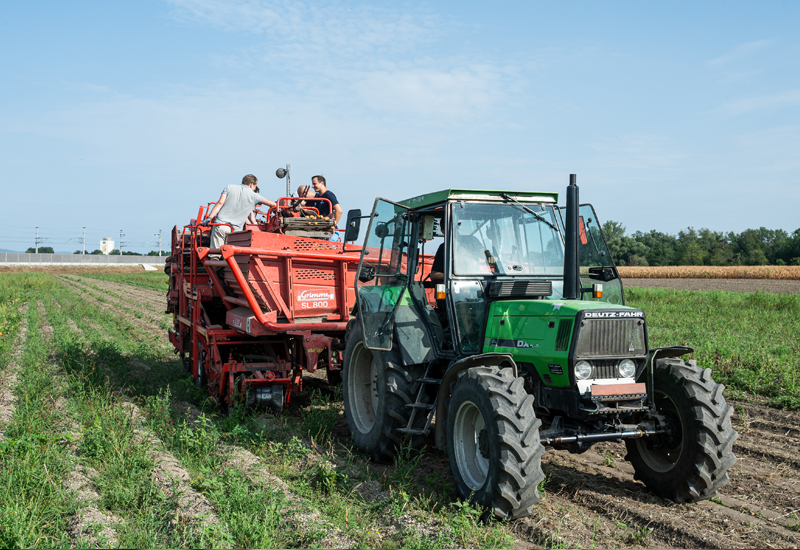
[605,369]
[610,337]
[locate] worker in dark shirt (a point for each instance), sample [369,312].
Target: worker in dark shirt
[319,185]
[437,269]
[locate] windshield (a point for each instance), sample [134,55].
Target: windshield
[505,239]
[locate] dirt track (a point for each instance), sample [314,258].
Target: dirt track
[591,500]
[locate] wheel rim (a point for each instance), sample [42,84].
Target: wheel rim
[362,388]
[662,454]
[471,445]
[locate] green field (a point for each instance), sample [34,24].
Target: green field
[152,280]
[97,363]
[82,368]
[750,340]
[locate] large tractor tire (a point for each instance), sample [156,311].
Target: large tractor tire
[376,387]
[692,463]
[493,441]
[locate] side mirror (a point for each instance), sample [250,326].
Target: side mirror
[352,225]
[601,273]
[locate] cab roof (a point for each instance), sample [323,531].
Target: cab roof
[437,197]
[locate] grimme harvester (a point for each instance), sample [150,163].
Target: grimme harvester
[272,303]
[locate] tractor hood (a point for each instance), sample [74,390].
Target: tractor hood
[540,332]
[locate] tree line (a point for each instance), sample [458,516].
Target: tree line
[760,246]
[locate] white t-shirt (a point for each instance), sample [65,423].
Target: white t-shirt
[239,202]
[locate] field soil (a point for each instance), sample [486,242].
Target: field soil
[776,286]
[592,499]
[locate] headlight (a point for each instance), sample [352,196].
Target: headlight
[627,368]
[583,370]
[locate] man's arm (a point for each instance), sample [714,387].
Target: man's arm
[217,206]
[337,212]
[268,202]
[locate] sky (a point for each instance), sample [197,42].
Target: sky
[127,116]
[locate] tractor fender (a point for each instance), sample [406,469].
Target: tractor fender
[658,354]
[481,360]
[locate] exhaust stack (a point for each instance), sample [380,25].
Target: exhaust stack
[571,263]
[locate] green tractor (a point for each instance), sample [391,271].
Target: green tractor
[512,338]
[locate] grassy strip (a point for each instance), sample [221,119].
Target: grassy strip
[749,339]
[245,507]
[33,459]
[119,302]
[151,280]
[255,513]
[116,450]
[14,289]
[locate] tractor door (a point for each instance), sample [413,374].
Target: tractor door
[596,263]
[383,274]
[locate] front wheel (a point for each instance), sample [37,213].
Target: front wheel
[376,387]
[692,462]
[493,441]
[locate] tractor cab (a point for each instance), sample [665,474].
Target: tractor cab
[433,266]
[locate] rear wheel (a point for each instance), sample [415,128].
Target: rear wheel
[691,463]
[376,387]
[493,441]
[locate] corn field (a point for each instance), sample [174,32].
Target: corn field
[711,272]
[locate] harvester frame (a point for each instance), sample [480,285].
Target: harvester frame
[253,316]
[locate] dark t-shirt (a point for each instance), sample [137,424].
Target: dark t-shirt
[438,260]
[323,206]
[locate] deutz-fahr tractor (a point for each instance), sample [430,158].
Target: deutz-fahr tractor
[515,337]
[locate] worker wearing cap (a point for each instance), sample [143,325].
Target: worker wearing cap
[233,207]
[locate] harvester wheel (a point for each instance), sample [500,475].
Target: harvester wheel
[376,388]
[692,463]
[202,358]
[493,441]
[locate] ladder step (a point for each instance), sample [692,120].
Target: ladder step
[412,431]
[430,380]
[427,406]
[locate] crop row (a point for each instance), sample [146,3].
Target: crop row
[786,272]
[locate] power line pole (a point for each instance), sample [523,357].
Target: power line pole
[159,243]
[120,242]
[84,242]
[38,240]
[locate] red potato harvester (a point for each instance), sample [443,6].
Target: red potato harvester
[273,302]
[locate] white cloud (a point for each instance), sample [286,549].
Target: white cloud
[459,92]
[637,151]
[354,57]
[738,53]
[297,30]
[789,98]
